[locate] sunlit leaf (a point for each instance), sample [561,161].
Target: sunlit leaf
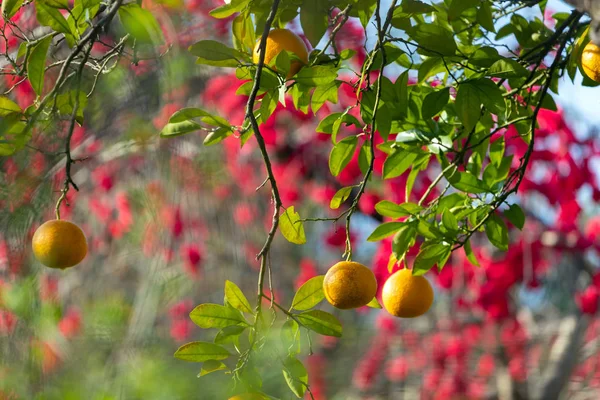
[201,352]
[309,294]
[292,227]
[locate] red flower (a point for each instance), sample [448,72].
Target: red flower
[70,324]
[308,270]
[588,300]
[192,259]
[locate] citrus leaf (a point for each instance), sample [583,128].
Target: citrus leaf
[7,107]
[211,52]
[216,316]
[341,154]
[339,197]
[211,366]
[309,294]
[140,24]
[429,255]
[229,334]
[516,216]
[321,322]
[314,20]
[201,352]
[10,8]
[292,227]
[468,106]
[374,303]
[235,297]
[295,376]
[497,232]
[469,253]
[393,210]
[397,163]
[434,102]
[384,230]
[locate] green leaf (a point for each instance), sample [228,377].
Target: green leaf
[235,297]
[449,221]
[468,106]
[180,128]
[341,154]
[468,183]
[457,7]
[309,294]
[484,57]
[516,216]
[497,148]
[190,113]
[56,3]
[244,35]
[374,303]
[321,322]
[364,157]
[429,255]
[227,10]
[51,17]
[229,334]
[507,68]
[397,163]
[339,197]
[290,336]
[65,102]
[363,9]
[490,95]
[201,352]
[497,232]
[317,75]
[140,24]
[10,8]
[211,52]
[292,227]
[314,20]
[211,366]
[323,94]
[384,230]
[216,316]
[393,210]
[403,240]
[485,17]
[295,376]
[434,102]
[332,123]
[8,107]
[434,37]
[469,253]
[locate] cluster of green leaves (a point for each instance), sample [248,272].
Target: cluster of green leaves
[238,338]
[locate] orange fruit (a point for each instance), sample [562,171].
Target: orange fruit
[248,396]
[590,61]
[279,40]
[59,244]
[405,295]
[349,285]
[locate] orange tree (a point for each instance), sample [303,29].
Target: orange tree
[437,89]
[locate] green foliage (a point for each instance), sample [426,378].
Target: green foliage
[292,227]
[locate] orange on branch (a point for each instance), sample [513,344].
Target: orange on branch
[278,41]
[590,61]
[349,285]
[405,295]
[59,244]
[248,396]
